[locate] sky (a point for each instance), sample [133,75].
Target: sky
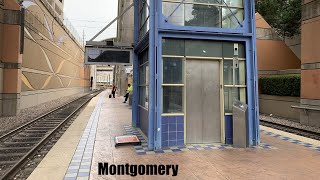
[88,17]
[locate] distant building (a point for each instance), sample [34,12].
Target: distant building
[272,52]
[105,75]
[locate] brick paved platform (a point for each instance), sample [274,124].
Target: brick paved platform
[91,140]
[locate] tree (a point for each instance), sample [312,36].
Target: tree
[283,15]
[207,16]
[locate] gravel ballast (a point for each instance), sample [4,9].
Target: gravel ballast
[25,115]
[287,122]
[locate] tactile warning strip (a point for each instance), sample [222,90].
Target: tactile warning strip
[143,148]
[292,140]
[79,167]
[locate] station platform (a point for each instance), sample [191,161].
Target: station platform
[90,140]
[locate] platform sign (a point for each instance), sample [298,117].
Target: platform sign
[108,56]
[127,139]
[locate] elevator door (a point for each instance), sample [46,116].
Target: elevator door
[203,101]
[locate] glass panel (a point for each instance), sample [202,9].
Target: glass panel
[236,3]
[173,47]
[240,78]
[172,99]
[229,20]
[147,97]
[243,95]
[147,74]
[231,94]
[172,70]
[142,75]
[142,95]
[143,57]
[143,15]
[228,50]
[174,13]
[143,19]
[203,48]
[140,59]
[143,30]
[205,1]
[202,15]
[227,72]
[241,73]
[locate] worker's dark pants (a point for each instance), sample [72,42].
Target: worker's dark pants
[126,97]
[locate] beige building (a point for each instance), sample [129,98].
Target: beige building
[41,59]
[57,6]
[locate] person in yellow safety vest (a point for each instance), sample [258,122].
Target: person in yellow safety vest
[129,90]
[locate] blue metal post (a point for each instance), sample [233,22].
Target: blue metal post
[256,141]
[152,65]
[158,44]
[135,96]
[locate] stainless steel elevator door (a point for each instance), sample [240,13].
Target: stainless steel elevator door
[203,101]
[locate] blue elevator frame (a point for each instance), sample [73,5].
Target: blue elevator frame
[159,29]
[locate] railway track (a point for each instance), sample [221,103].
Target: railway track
[293,130]
[20,145]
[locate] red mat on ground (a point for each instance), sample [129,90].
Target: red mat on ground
[127,140]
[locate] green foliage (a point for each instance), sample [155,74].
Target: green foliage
[283,15]
[280,85]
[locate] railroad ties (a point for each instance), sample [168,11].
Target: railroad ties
[20,145]
[290,129]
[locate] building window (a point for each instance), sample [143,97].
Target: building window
[172,84]
[209,13]
[234,76]
[174,54]
[231,94]
[172,99]
[173,75]
[172,70]
[144,79]
[144,11]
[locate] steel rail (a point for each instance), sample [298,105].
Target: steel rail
[290,129]
[16,167]
[38,118]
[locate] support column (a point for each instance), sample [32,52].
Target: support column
[310,63]
[122,80]
[1,53]
[11,57]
